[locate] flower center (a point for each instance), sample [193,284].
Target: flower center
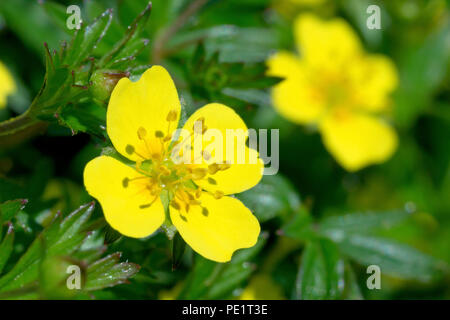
[160,172]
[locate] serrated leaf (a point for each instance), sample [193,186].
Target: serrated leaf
[57,239]
[321,274]
[396,259]
[107,272]
[9,209]
[89,118]
[87,38]
[133,31]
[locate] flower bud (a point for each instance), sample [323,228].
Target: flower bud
[103,83]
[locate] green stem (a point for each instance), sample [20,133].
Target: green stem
[20,128]
[18,123]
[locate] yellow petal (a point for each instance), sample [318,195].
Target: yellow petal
[143,104]
[226,226]
[295,98]
[357,140]
[246,168]
[373,78]
[7,85]
[285,64]
[326,44]
[125,205]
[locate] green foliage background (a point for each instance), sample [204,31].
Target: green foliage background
[322,226]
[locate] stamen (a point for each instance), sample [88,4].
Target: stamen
[212,181]
[218,194]
[172,116]
[126,181]
[199,173]
[224,166]
[130,150]
[213,168]
[141,133]
[175,205]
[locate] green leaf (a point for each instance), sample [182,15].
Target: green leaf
[178,247]
[57,239]
[351,287]
[107,272]
[57,13]
[421,72]
[300,226]
[321,274]
[360,222]
[273,196]
[129,45]
[211,280]
[398,260]
[89,118]
[87,38]
[6,247]
[111,235]
[9,209]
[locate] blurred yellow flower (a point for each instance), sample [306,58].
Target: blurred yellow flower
[338,87]
[7,85]
[262,287]
[141,119]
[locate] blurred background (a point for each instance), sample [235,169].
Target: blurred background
[322,226]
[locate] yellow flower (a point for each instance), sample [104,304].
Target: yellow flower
[7,85]
[141,119]
[338,87]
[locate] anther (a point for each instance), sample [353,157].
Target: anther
[125,182]
[205,211]
[141,133]
[129,149]
[212,181]
[175,205]
[159,134]
[224,166]
[199,173]
[213,168]
[172,116]
[218,194]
